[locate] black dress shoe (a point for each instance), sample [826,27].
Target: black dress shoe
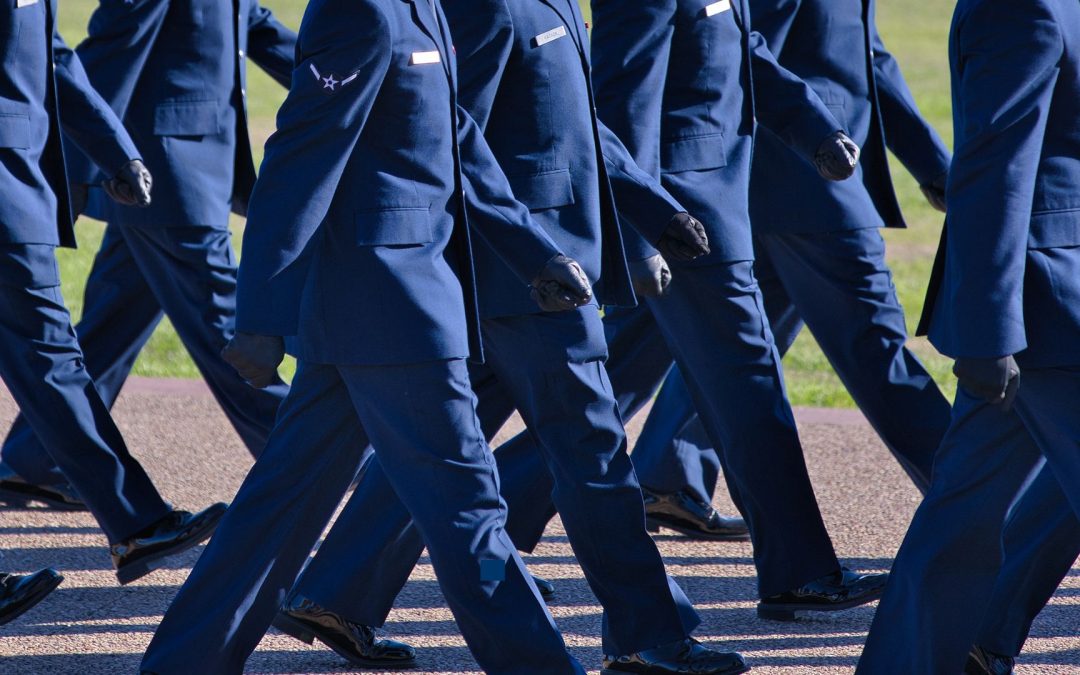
[688,515]
[141,554]
[16,491]
[831,593]
[356,643]
[20,593]
[546,588]
[684,657]
[983,662]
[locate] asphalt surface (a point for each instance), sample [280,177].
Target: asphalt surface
[93,626]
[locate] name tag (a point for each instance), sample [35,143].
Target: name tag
[425,58]
[717,7]
[550,36]
[24,3]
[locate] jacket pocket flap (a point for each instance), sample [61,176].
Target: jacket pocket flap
[395,226]
[1054,229]
[544,189]
[699,153]
[14,128]
[186,118]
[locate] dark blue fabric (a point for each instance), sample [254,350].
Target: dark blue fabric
[176,74]
[732,368]
[835,47]
[372,103]
[374,258]
[422,418]
[941,582]
[1007,281]
[40,75]
[816,258]
[42,362]
[550,366]
[41,365]
[540,130]
[1008,278]
[674,82]
[141,274]
[1042,542]
[839,284]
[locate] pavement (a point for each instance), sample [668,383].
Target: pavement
[92,626]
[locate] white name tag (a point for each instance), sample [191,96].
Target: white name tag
[717,7]
[25,3]
[550,36]
[425,58]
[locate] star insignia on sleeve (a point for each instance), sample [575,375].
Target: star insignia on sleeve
[330,82]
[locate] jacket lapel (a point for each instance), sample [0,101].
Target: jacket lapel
[429,23]
[569,19]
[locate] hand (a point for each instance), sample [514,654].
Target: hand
[561,285]
[255,357]
[684,239]
[993,380]
[837,157]
[934,191]
[650,276]
[78,195]
[131,185]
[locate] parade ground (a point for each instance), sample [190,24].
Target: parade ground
[92,626]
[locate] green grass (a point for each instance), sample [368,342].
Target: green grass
[915,34]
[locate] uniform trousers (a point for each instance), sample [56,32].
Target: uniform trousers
[941,582]
[1042,541]
[422,420]
[42,365]
[840,286]
[712,319]
[141,274]
[550,367]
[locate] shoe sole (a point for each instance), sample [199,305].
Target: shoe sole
[731,671]
[139,569]
[298,630]
[794,612]
[33,600]
[654,526]
[13,496]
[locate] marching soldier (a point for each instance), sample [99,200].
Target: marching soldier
[520,62]
[673,82]
[176,74]
[358,248]
[1004,301]
[820,259]
[40,361]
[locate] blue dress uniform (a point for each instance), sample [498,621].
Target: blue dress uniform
[1007,283]
[175,73]
[674,81]
[525,79]
[820,256]
[40,360]
[357,246]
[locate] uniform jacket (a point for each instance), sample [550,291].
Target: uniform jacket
[677,81]
[38,72]
[1007,280]
[357,241]
[525,78]
[175,73]
[834,46]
